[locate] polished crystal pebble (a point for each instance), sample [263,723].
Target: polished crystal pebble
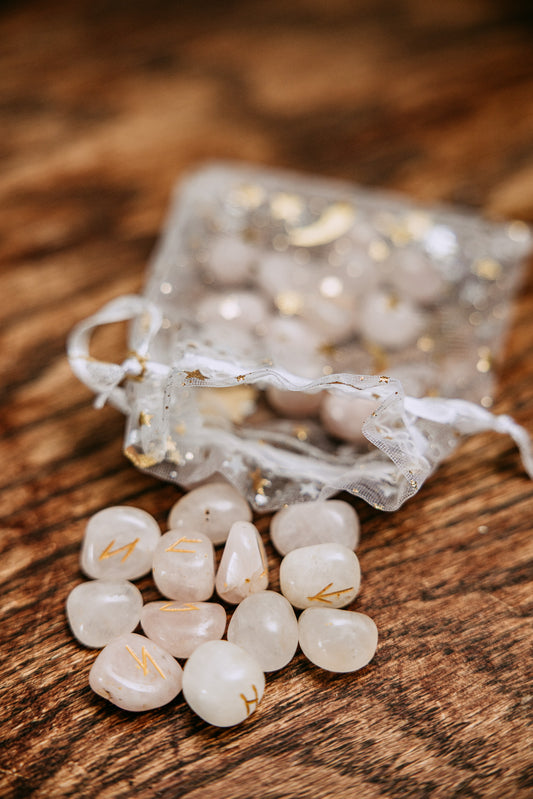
[415,276]
[231,260]
[295,346]
[100,610]
[119,543]
[181,627]
[243,567]
[184,566]
[309,523]
[210,509]
[222,683]
[390,321]
[264,625]
[343,415]
[337,640]
[294,404]
[324,575]
[135,674]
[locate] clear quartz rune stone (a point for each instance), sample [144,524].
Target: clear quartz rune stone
[100,610]
[309,523]
[210,509]
[337,640]
[184,566]
[181,627]
[264,625]
[136,674]
[119,543]
[343,416]
[222,683]
[294,404]
[243,567]
[323,575]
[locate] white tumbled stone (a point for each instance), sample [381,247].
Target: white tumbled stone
[119,543]
[136,674]
[415,276]
[265,625]
[184,566]
[100,610]
[231,260]
[295,346]
[294,404]
[337,640]
[222,683]
[210,509]
[319,522]
[181,627]
[326,575]
[343,415]
[243,567]
[389,321]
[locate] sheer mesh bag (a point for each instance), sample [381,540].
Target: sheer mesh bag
[300,337]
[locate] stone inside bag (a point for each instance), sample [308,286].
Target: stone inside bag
[301,336]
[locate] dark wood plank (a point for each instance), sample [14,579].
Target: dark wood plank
[103,106]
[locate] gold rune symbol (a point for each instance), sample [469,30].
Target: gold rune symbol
[188,606]
[108,552]
[249,702]
[183,540]
[142,664]
[321,596]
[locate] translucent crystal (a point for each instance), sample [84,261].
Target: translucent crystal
[337,640]
[222,683]
[309,523]
[343,416]
[184,566]
[326,575]
[243,567]
[100,610]
[264,625]
[181,627]
[119,543]
[210,509]
[135,674]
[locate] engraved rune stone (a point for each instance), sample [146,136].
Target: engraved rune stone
[136,674]
[184,566]
[119,543]
[222,683]
[181,627]
[326,575]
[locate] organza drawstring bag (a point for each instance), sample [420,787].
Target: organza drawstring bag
[300,337]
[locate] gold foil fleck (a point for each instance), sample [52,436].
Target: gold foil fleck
[248,195]
[488,269]
[301,432]
[289,302]
[139,459]
[378,250]
[334,222]
[425,344]
[259,483]
[195,375]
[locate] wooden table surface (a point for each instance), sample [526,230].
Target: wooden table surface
[103,106]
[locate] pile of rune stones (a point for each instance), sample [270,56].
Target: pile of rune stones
[222,680]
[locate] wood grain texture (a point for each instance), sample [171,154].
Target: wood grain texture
[103,106]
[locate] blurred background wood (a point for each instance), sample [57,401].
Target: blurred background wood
[103,106]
